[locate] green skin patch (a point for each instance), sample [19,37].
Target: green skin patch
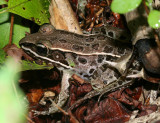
[71,63]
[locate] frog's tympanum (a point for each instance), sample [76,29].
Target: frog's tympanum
[99,59]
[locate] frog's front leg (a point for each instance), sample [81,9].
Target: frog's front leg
[61,98]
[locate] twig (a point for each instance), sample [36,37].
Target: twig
[108,2]
[11,29]
[145,7]
[78,78]
[99,12]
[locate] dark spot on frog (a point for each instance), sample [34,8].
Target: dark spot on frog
[96,32]
[117,74]
[108,58]
[74,55]
[100,58]
[115,85]
[91,71]
[103,68]
[105,81]
[103,30]
[82,60]
[87,45]
[101,37]
[95,46]
[81,73]
[24,8]
[42,12]
[86,76]
[77,48]
[89,39]
[120,82]
[110,77]
[120,50]
[105,65]
[111,34]
[62,40]
[95,74]
[108,49]
[114,58]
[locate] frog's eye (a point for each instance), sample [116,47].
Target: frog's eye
[46,29]
[41,49]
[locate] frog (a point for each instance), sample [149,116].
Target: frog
[100,59]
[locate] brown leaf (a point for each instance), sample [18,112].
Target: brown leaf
[147,109]
[77,92]
[15,52]
[107,110]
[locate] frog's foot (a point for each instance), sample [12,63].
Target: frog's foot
[61,98]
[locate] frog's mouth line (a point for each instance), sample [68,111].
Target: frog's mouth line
[45,58]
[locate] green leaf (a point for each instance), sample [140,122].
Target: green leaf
[72,64]
[12,109]
[35,10]
[154,19]
[27,65]
[124,6]
[18,29]
[2,56]
[2,2]
[3,10]
[4,29]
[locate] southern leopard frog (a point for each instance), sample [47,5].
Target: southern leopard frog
[97,58]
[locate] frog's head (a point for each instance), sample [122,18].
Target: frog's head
[40,46]
[62,47]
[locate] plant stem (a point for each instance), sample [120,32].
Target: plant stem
[155,34]
[11,29]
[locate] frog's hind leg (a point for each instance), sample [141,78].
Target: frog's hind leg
[115,85]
